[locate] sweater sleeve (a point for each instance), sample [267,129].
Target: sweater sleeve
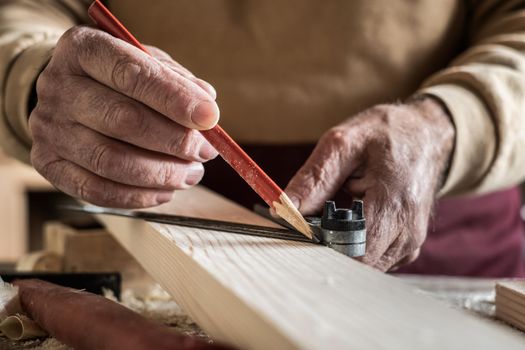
[484,91]
[29,30]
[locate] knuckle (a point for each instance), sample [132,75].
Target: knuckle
[170,176]
[134,76]
[78,46]
[100,158]
[337,137]
[140,199]
[44,85]
[183,104]
[39,123]
[74,42]
[85,189]
[73,36]
[95,191]
[185,146]
[79,39]
[49,85]
[68,40]
[124,75]
[124,119]
[46,166]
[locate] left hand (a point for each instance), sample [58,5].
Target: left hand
[393,157]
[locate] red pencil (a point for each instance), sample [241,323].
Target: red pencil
[229,150]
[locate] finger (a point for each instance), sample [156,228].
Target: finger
[177,67]
[393,255]
[384,222]
[402,251]
[112,114]
[410,258]
[334,158]
[78,182]
[124,163]
[134,73]
[165,57]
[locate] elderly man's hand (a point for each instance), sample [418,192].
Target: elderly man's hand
[392,156]
[115,126]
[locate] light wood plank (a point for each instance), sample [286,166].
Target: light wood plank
[259,293]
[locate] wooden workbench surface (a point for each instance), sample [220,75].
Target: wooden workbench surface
[474,295]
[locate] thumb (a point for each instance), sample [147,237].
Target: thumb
[333,160]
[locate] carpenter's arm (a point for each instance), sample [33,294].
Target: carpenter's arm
[469,119]
[29,30]
[484,90]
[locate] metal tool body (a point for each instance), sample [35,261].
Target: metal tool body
[343,230]
[340,229]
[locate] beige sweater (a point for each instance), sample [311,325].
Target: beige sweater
[286,71]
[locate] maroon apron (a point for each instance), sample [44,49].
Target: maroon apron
[468,236]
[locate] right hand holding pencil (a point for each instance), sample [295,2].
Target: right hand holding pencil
[116,127]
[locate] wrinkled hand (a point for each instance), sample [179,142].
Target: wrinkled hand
[392,156]
[115,126]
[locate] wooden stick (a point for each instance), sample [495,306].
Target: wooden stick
[260,293]
[87,321]
[229,150]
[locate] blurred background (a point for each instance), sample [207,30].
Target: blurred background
[27,204]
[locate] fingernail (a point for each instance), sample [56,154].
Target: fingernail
[194,175]
[205,114]
[207,151]
[164,197]
[208,88]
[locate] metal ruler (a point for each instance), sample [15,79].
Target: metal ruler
[206,224]
[340,229]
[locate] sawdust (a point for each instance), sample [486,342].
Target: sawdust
[158,305]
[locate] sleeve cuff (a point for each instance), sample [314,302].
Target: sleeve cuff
[475,142]
[19,84]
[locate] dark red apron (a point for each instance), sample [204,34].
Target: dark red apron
[469,236]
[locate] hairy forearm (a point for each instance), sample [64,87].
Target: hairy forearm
[442,130]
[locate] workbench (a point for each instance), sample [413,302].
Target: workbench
[473,295]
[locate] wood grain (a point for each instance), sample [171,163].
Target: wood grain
[510,302]
[259,293]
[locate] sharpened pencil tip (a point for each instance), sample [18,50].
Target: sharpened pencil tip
[287,210]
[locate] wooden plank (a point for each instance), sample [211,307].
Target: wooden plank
[94,250]
[510,302]
[259,293]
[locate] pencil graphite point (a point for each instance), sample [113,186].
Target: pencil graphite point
[287,210]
